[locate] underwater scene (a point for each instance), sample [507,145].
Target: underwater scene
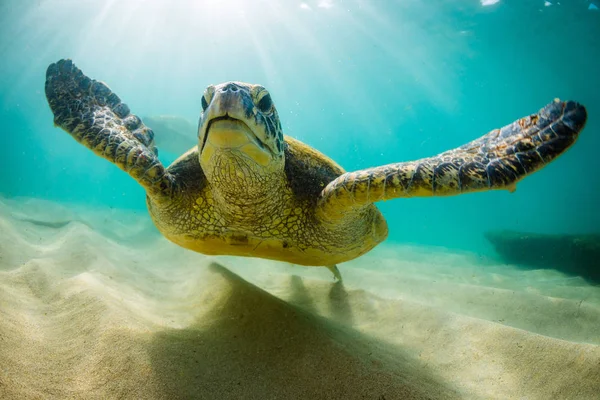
[318,199]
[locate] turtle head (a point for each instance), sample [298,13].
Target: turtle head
[239,132]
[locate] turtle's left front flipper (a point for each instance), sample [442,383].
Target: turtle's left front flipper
[90,112]
[497,160]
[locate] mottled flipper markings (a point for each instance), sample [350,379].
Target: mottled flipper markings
[95,117]
[497,160]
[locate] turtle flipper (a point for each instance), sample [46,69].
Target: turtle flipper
[497,160]
[335,271]
[96,118]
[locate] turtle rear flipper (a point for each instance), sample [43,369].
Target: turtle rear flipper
[96,118]
[497,160]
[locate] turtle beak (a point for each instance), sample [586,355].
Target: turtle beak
[234,136]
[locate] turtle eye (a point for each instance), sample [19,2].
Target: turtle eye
[204,103]
[265,103]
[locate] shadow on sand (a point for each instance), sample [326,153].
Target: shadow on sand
[251,344]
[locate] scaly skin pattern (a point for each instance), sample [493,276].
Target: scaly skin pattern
[283,227]
[96,118]
[224,204]
[497,160]
[248,190]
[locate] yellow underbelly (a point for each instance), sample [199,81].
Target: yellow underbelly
[272,248]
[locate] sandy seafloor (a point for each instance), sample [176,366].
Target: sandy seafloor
[94,304]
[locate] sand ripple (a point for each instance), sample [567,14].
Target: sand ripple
[95,304]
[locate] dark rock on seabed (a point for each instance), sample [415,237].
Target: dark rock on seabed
[577,255]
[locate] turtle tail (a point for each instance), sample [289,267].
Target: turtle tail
[90,112]
[497,160]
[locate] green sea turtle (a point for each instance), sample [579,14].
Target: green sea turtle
[246,189]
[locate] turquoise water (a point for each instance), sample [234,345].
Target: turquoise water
[365,82]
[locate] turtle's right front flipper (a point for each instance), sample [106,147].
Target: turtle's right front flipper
[96,118]
[497,160]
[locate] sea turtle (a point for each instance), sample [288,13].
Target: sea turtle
[246,189]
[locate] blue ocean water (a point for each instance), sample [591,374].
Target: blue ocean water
[365,82]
